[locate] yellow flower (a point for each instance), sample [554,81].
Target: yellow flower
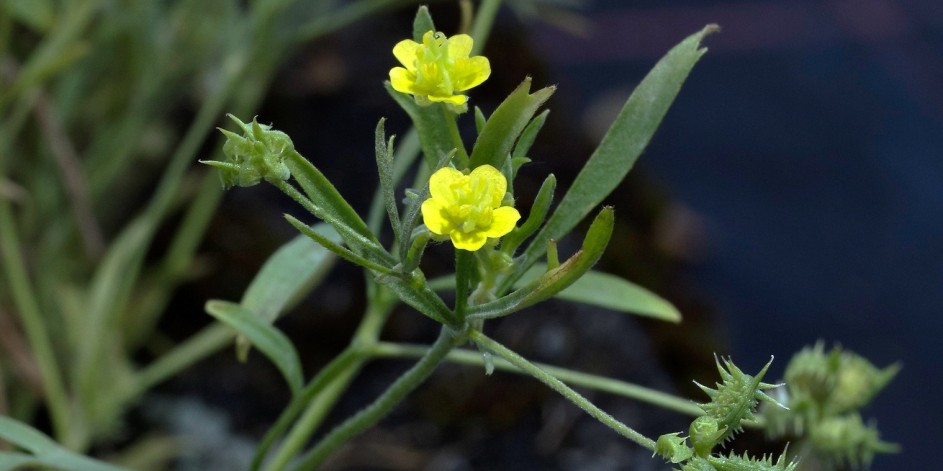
[467,208]
[438,68]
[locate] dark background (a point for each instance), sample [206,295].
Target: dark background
[808,143]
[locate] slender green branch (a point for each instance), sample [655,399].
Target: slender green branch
[31,317]
[319,397]
[197,347]
[393,395]
[343,229]
[484,20]
[334,21]
[451,121]
[488,344]
[577,378]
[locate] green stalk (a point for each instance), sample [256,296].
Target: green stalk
[486,343]
[323,399]
[577,378]
[393,395]
[14,268]
[484,20]
[451,120]
[201,345]
[334,21]
[324,391]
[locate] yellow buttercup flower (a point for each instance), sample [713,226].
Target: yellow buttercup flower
[438,69]
[467,208]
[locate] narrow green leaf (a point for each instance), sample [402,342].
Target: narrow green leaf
[431,122]
[505,125]
[538,212]
[529,135]
[44,452]
[384,155]
[414,208]
[610,292]
[403,157]
[268,339]
[25,437]
[422,23]
[622,145]
[480,120]
[322,193]
[289,273]
[557,279]
[418,295]
[336,248]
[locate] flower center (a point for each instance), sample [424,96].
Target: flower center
[472,209]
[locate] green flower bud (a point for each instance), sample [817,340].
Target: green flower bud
[858,381]
[673,448]
[847,439]
[705,433]
[257,154]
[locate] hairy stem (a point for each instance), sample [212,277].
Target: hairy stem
[486,343]
[578,378]
[372,414]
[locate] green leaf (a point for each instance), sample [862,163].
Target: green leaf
[415,293]
[610,292]
[623,143]
[480,120]
[557,279]
[269,340]
[336,248]
[336,209]
[529,135]
[538,212]
[289,273]
[43,451]
[431,122]
[422,23]
[505,125]
[384,155]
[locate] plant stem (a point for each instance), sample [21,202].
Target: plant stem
[486,343]
[325,389]
[372,414]
[484,20]
[40,343]
[319,397]
[208,341]
[451,121]
[578,378]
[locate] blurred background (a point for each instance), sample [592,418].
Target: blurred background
[805,152]
[791,195]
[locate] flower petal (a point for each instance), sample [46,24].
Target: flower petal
[460,46]
[402,80]
[471,72]
[496,184]
[405,52]
[440,184]
[471,241]
[453,99]
[505,218]
[433,216]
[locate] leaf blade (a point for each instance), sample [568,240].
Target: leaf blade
[628,136]
[611,292]
[264,336]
